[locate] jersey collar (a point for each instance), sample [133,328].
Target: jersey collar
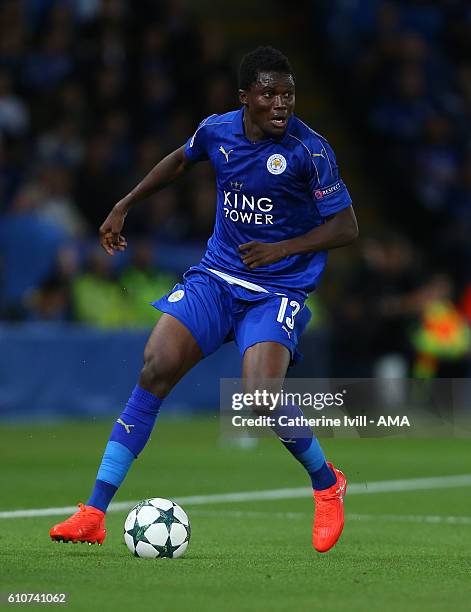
[238,128]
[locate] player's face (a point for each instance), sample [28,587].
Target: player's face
[269,104]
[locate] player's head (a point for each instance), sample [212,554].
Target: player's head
[266,89]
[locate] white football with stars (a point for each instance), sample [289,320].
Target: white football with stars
[157,528]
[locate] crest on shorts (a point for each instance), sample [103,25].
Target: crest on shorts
[276,163]
[176,296]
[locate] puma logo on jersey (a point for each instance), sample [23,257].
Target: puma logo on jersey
[125,425]
[225,153]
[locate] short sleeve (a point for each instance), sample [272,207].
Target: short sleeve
[196,146]
[325,185]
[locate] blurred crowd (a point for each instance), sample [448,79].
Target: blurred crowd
[92,94]
[398,316]
[405,66]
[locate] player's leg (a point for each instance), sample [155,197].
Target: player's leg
[262,337]
[264,367]
[198,319]
[171,351]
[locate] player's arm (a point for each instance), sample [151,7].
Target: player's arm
[339,230]
[165,172]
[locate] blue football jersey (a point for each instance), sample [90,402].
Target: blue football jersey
[268,191]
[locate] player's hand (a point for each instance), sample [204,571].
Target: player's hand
[111,238]
[256,254]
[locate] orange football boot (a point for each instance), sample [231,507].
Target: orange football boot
[86,525]
[329,514]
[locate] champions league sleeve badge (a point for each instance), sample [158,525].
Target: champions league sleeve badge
[276,163]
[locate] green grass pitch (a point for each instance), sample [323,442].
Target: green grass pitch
[253,555]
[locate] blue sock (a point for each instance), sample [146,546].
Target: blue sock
[101,495]
[128,437]
[305,447]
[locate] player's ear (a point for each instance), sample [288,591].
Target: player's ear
[243,96]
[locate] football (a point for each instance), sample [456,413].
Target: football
[157,528]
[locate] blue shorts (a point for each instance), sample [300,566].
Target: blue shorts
[216,312]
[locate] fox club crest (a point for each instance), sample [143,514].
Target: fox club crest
[276,163]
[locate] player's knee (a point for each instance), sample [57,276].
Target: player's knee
[265,393]
[158,375]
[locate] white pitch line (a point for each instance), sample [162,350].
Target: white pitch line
[355,488]
[393,518]
[412,518]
